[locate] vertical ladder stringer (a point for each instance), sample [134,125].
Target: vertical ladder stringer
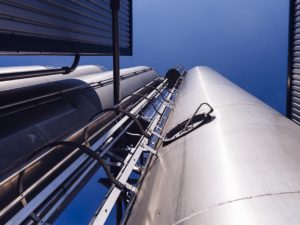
[61,188]
[144,145]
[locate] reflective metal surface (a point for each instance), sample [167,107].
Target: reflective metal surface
[241,168]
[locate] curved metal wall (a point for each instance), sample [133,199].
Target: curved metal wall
[241,168]
[20,83]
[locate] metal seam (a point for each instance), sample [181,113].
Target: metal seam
[232,201]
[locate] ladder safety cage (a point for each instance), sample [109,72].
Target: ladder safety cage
[141,155]
[102,148]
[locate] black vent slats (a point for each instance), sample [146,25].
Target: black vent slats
[293,101]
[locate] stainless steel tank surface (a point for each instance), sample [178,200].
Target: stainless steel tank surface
[32,125]
[242,168]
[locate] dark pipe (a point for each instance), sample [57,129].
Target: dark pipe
[115,6]
[39,73]
[73,66]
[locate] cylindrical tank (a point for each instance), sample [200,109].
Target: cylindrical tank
[241,168]
[34,112]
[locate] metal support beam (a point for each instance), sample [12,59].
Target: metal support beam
[115,6]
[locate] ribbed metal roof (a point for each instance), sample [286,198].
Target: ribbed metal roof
[62,27]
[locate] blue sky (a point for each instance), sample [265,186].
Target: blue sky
[244,40]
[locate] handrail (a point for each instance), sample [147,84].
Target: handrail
[184,128]
[189,121]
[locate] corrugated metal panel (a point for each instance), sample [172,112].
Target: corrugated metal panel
[293,101]
[62,27]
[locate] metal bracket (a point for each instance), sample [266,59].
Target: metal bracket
[157,135]
[148,148]
[130,187]
[170,105]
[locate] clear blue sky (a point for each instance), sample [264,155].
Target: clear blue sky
[244,40]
